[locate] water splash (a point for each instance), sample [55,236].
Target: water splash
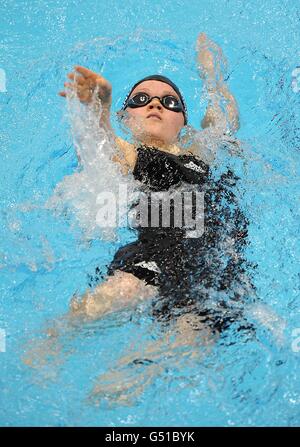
[79,192]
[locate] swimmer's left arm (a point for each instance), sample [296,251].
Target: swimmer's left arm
[222,111]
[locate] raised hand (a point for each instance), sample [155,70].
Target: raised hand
[222,111]
[88,86]
[210,57]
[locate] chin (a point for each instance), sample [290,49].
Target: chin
[152,135]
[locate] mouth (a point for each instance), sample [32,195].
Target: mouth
[154,116]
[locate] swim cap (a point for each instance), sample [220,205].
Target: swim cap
[166,81]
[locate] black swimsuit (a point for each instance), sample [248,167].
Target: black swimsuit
[187,270]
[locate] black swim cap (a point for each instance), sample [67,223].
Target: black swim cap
[166,81]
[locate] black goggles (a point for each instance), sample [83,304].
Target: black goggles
[169,102]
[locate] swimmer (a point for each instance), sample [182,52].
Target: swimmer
[155,112]
[176,273]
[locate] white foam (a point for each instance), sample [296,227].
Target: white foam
[97,173]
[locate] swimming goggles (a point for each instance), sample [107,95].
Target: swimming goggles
[141,99]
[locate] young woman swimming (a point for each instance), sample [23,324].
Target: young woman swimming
[163,261]
[184,278]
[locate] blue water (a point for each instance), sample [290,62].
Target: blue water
[43,257]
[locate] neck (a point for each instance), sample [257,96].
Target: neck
[159,144]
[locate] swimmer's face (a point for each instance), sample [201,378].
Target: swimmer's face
[166,126]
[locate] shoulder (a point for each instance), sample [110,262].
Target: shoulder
[205,143]
[124,145]
[128,151]
[197,153]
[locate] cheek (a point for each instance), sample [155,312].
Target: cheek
[180,120]
[132,119]
[177,123]
[132,113]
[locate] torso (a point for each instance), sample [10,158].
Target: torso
[158,172]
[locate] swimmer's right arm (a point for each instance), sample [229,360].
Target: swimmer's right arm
[90,86]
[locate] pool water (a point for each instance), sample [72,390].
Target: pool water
[47,256]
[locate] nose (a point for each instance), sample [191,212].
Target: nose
[154,103]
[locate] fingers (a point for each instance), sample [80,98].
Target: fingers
[83,92]
[204,42]
[76,78]
[78,81]
[77,87]
[68,85]
[202,37]
[85,72]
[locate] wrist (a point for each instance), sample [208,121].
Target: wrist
[104,108]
